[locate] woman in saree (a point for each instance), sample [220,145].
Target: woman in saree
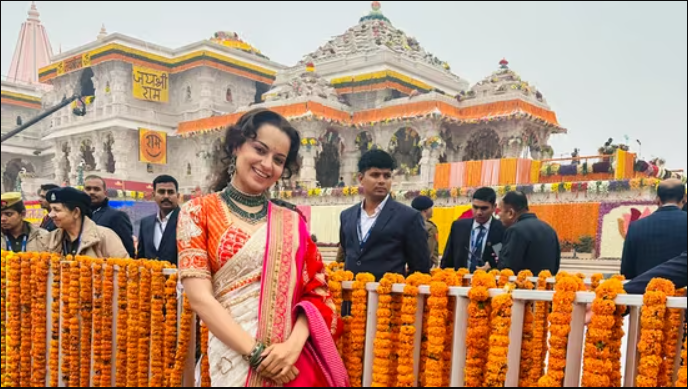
[252,273]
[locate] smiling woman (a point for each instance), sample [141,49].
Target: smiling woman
[252,272]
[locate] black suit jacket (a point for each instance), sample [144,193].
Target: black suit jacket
[48,224]
[117,221]
[398,242]
[675,270]
[457,251]
[168,245]
[654,240]
[531,244]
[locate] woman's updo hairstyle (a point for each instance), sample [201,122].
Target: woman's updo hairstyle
[247,129]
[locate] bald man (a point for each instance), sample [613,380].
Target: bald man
[660,237]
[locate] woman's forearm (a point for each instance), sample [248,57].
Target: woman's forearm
[219,322]
[301,332]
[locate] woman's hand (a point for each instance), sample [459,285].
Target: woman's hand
[279,362]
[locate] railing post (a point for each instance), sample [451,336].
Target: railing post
[371,332]
[459,347]
[513,375]
[418,341]
[632,348]
[574,356]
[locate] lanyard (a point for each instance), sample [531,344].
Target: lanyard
[364,239]
[66,249]
[25,242]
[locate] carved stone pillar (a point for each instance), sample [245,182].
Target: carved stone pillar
[120,151]
[3,167]
[74,160]
[59,164]
[308,174]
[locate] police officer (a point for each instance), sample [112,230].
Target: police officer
[19,235]
[425,205]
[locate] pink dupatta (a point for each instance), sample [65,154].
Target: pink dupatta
[282,301]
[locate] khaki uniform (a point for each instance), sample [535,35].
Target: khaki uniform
[96,242]
[37,242]
[433,243]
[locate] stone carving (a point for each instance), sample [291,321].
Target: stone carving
[308,84]
[503,81]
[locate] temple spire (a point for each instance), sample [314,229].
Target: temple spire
[33,50]
[103,32]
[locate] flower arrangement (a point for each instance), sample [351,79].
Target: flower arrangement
[596,279]
[157,367]
[672,328]
[73,326]
[437,331]
[309,143]
[144,326]
[106,325]
[183,345]
[540,330]
[26,323]
[383,338]
[98,318]
[615,341]
[477,336]
[397,302]
[504,277]
[682,375]
[407,336]
[205,362]
[597,368]
[3,291]
[133,325]
[523,282]
[86,305]
[358,327]
[560,327]
[434,142]
[453,280]
[495,376]
[11,376]
[54,362]
[122,325]
[652,320]
[170,335]
[39,313]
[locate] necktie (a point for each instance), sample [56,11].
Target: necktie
[478,249]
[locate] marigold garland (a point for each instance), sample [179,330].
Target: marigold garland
[651,343]
[13,357]
[672,328]
[335,286]
[437,331]
[144,326]
[595,281]
[358,327]
[477,336]
[40,264]
[65,371]
[397,302]
[185,329]
[453,280]
[461,274]
[86,304]
[133,325]
[504,278]
[560,327]
[616,339]
[597,367]
[205,363]
[121,367]
[157,367]
[407,335]
[106,326]
[74,330]
[26,324]
[170,336]
[97,346]
[497,365]
[540,330]
[382,349]
[683,372]
[523,282]
[3,306]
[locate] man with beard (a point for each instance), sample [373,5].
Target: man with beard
[158,233]
[106,216]
[47,223]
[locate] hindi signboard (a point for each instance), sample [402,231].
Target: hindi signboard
[152,147]
[151,85]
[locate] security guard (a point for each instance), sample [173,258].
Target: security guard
[425,205]
[19,235]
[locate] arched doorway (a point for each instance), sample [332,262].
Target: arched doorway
[328,162]
[484,144]
[406,149]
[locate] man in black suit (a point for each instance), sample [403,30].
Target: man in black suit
[382,236]
[158,233]
[659,237]
[47,223]
[106,216]
[472,242]
[529,243]
[675,270]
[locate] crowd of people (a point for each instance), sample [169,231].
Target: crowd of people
[251,268]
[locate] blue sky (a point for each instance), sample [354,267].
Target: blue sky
[607,69]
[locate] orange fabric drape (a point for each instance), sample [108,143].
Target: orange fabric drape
[490,174]
[572,220]
[442,176]
[523,170]
[630,165]
[535,168]
[474,174]
[507,171]
[459,175]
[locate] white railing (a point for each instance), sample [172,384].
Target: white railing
[521,298]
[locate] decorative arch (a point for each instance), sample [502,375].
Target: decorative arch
[483,144]
[328,162]
[406,149]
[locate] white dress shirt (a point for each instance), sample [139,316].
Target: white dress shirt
[367,222]
[476,230]
[160,228]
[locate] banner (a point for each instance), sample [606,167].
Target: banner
[151,85]
[152,147]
